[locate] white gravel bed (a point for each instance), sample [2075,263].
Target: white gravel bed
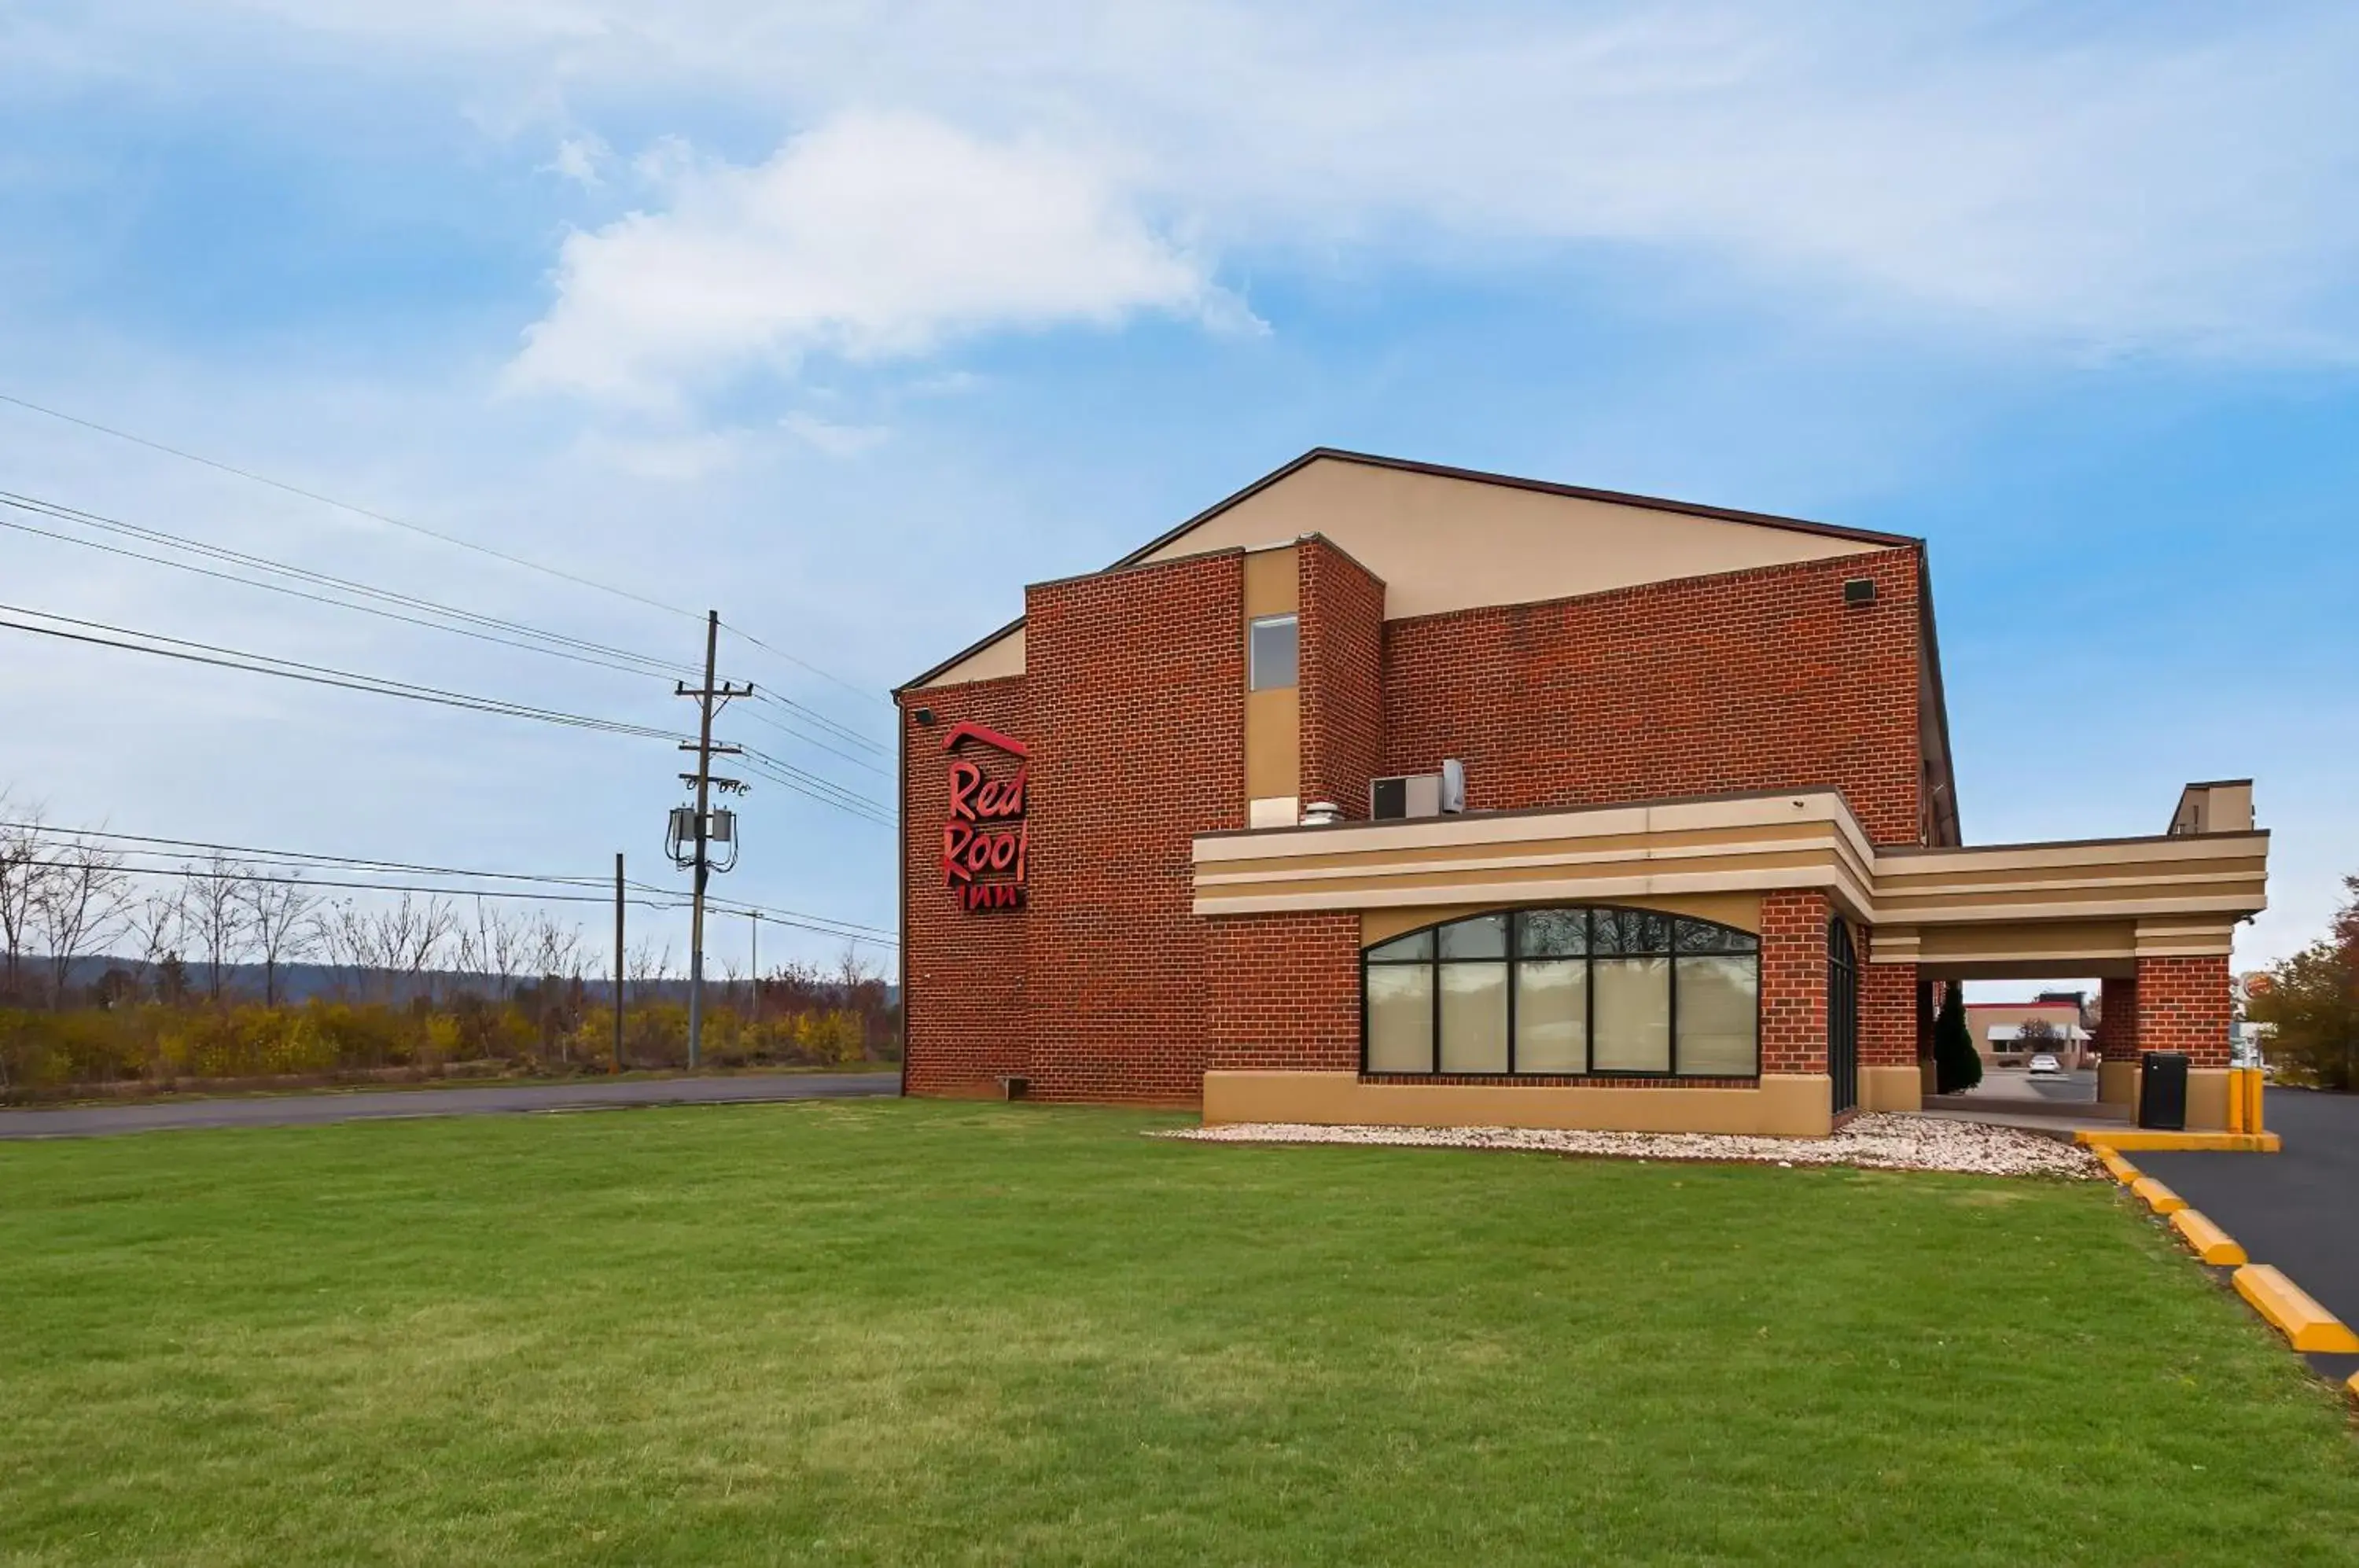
[1881,1140]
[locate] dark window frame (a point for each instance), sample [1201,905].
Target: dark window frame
[1671,952]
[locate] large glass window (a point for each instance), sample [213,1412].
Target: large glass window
[1565,992]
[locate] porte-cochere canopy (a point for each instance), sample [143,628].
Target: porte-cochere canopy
[1572,991]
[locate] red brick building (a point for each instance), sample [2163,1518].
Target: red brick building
[1383,793]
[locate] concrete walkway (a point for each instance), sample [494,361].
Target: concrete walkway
[374,1104]
[2297,1208]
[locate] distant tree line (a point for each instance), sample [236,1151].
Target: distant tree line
[423,985]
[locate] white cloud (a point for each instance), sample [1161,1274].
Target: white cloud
[578,160]
[874,237]
[2122,177]
[833,439]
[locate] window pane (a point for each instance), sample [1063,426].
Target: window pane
[1716,1015]
[1473,1017]
[1703,936]
[1484,936]
[1634,1015]
[1400,1019]
[1416,944]
[1272,649]
[1552,933]
[1551,1017]
[1632,931]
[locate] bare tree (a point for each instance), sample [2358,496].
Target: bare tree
[647,967]
[340,935]
[153,925]
[496,945]
[24,879]
[408,938]
[556,950]
[216,917]
[279,917]
[81,908]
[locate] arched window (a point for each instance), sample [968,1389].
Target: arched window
[1564,992]
[1843,1014]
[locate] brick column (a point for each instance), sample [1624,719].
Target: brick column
[2117,1040]
[1794,982]
[2185,1004]
[1888,1077]
[1339,684]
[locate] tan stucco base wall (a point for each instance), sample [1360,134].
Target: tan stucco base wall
[1791,1105]
[2207,1093]
[2118,1082]
[1891,1088]
[2207,1099]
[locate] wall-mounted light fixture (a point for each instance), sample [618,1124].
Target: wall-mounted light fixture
[1860,591]
[925,716]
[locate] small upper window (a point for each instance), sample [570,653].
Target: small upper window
[1270,648]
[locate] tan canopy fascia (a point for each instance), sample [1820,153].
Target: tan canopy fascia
[2037,906]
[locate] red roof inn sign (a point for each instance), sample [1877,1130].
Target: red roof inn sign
[985,841]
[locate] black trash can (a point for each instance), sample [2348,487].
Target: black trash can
[2162,1091]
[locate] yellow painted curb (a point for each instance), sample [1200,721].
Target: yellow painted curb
[2353,1385]
[2159,1198]
[2120,1170]
[2153,1137]
[2311,1327]
[2211,1243]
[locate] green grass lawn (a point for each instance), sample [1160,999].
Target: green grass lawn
[893,1332]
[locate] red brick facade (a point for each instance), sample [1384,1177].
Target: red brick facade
[1135,700]
[2183,1004]
[1887,1012]
[1760,680]
[1794,982]
[1284,993]
[1106,987]
[1341,683]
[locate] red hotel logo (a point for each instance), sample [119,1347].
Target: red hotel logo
[984,842]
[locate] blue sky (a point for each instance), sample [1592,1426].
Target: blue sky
[850,320]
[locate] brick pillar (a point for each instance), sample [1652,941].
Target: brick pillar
[2117,1041]
[1339,684]
[1794,982]
[2184,1003]
[1888,1078]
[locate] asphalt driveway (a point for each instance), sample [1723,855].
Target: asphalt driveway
[311,1109]
[2297,1209]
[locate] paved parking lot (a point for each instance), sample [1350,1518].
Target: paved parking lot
[307,1109]
[2297,1209]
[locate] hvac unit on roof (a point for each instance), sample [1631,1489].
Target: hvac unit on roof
[1418,794]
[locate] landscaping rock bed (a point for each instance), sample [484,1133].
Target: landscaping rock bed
[1878,1141]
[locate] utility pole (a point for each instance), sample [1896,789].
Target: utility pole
[710,699]
[618,961]
[754,1007]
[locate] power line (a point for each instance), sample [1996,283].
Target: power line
[317,674]
[419,528]
[356,509]
[826,925]
[63,512]
[793,777]
[558,645]
[314,598]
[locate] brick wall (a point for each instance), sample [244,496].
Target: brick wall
[2183,1004]
[1285,991]
[1761,680]
[1794,982]
[1340,688]
[963,976]
[2115,1035]
[1135,694]
[1887,1012]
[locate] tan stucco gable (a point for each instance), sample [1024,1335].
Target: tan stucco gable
[1447,538]
[1444,541]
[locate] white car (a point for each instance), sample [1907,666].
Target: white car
[2043,1062]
